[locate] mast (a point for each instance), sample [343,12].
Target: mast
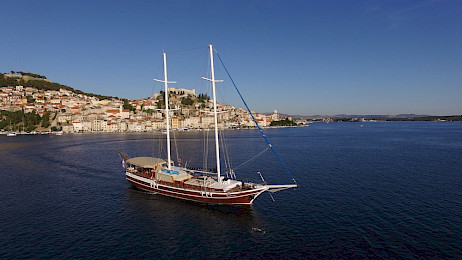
[217,146]
[215,115]
[166,108]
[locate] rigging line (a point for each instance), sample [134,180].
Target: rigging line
[158,72]
[186,66]
[176,147]
[206,148]
[227,154]
[153,146]
[226,150]
[162,149]
[251,159]
[256,123]
[203,150]
[190,49]
[223,150]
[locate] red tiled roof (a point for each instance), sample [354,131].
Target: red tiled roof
[113,111]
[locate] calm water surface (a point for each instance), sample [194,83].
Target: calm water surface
[383,190]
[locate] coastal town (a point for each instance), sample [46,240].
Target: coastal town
[72,112]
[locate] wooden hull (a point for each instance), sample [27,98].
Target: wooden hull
[245,197]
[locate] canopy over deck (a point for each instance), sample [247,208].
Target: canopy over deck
[226,185]
[146,162]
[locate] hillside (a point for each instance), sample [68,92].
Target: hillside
[41,84]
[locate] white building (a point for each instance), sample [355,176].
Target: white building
[78,126]
[183,91]
[275,115]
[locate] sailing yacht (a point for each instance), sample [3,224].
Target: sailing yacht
[161,176]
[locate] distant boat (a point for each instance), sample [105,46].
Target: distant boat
[206,186]
[11,134]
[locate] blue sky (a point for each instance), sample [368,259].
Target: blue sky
[299,57]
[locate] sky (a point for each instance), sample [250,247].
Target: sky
[299,57]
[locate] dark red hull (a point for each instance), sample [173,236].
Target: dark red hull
[245,197]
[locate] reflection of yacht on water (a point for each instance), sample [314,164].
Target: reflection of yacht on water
[207,186]
[243,217]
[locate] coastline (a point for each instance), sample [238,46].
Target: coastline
[162,131]
[153,131]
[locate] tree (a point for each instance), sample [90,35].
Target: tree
[160,100]
[46,120]
[19,119]
[148,111]
[3,124]
[128,105]
[187,101]
[30,99]
[203,97]
[285,122]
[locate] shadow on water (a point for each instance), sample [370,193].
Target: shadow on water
[192,230]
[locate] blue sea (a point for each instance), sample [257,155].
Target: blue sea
[367,190]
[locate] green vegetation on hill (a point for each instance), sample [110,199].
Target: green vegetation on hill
[203,97]
[285,122]
[43,85]
[5,82]
[186,101]
[28,74]
[46,120]
[127,105]
[19,121]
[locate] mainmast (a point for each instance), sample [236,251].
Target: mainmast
[166,108]
[215,114]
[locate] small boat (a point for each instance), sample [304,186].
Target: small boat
[161,176]
[11,134]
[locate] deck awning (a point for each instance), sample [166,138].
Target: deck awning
[146,162]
